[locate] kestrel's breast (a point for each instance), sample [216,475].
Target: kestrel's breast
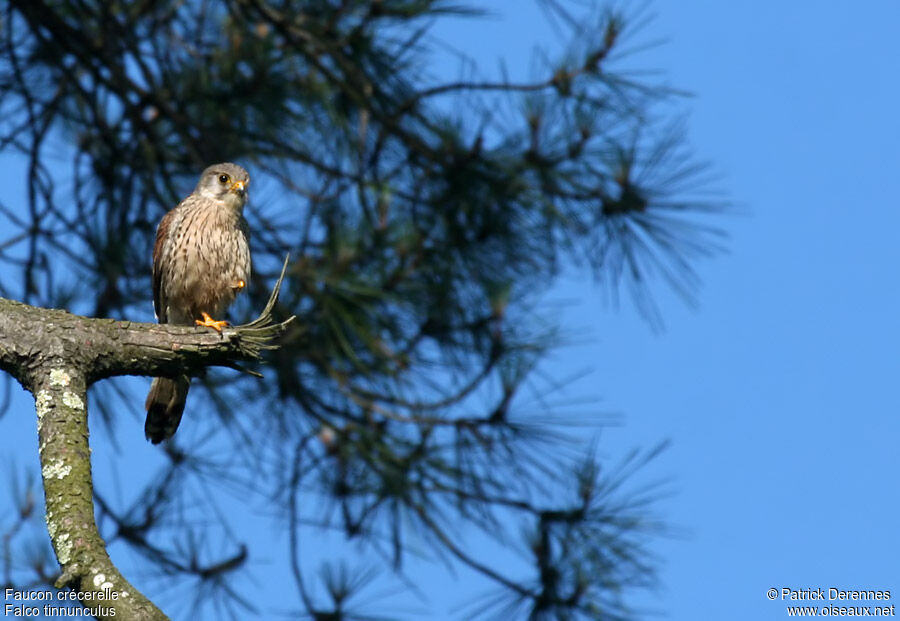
[207,257]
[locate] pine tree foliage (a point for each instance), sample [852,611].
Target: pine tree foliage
[424,217]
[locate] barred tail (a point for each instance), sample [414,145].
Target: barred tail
[165,405]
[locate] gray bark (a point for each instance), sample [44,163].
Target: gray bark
[56,356]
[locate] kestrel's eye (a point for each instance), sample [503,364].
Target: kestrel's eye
[223,178]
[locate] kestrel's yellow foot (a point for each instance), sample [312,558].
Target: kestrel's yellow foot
[209,322]
[239,285]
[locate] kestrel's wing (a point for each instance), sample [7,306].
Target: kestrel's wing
[160,267]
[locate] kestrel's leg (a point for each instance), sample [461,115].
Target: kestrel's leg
[209,322]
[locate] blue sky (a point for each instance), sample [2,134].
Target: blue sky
[779,392]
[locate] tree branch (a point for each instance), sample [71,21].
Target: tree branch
[56,355]
[60,395]
[33,337]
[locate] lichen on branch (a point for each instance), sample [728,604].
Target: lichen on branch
[56,356]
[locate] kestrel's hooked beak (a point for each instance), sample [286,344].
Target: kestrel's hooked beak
[239,188]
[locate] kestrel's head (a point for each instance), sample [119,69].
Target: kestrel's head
[224,182]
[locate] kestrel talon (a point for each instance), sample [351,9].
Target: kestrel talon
[201,260]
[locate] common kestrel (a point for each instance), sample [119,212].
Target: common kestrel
[201,260]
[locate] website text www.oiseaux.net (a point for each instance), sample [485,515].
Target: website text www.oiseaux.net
[840,602]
